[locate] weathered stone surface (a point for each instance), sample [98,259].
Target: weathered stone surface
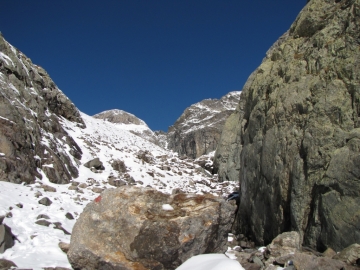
[285,243]
[6,236]
[6,264]
[141,228]
[31,136]
[294,140]
[311,262]
[198,129]
[119,166]
[350,255]
[64,246]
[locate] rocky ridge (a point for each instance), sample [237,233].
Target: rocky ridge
[293,141]
[31,137]
[197,131]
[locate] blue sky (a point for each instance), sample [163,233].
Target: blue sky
[152,58]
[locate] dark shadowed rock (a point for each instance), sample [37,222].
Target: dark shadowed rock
[350,255]
[141,228]
[294,140]
[6,264]
[6,236]
[95,163]
[43,222]
[45,201]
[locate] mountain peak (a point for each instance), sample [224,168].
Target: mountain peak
[117,116]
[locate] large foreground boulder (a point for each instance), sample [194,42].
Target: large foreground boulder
[294,140]
[141,228]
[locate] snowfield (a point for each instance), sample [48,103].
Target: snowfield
[37,245]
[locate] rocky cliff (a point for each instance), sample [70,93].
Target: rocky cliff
[294,139]
[198,129]
[32,140]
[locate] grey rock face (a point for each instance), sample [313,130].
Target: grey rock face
[198,129]
[294,139]
[31,136]
[140,228]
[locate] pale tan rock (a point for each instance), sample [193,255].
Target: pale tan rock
[140,227]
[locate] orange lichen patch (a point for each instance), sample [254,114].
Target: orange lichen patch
[187,238]
[208,223]
[119,258]
[134,209]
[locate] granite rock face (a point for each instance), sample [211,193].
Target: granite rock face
[141,228]
[31,136]
[294,140]
[198,129]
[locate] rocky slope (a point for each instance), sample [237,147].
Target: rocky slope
[198,129]
[294,139]
[64,159]
[32,141]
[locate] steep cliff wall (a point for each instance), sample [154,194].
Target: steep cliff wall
[294,140]
[32,140]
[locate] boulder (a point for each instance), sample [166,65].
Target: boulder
[119,165]
[311,262]
[285,243]
[6,236]
[6,264]
[145,156]
[45,201]
[350,255]
[95,163]
[141,228]
[294,139]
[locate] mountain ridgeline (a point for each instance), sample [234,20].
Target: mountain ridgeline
[294,140]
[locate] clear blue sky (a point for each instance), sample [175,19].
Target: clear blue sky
[152,58]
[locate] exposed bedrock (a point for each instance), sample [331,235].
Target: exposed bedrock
[294,140]
[31,135]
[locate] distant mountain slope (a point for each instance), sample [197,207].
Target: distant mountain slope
[129,122]
[198,129]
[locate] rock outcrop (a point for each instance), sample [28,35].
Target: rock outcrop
[141,228]
[198,129]
[31,136]
[294,139]
[6,236]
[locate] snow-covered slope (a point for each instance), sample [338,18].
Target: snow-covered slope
[129,122]
[37,245]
